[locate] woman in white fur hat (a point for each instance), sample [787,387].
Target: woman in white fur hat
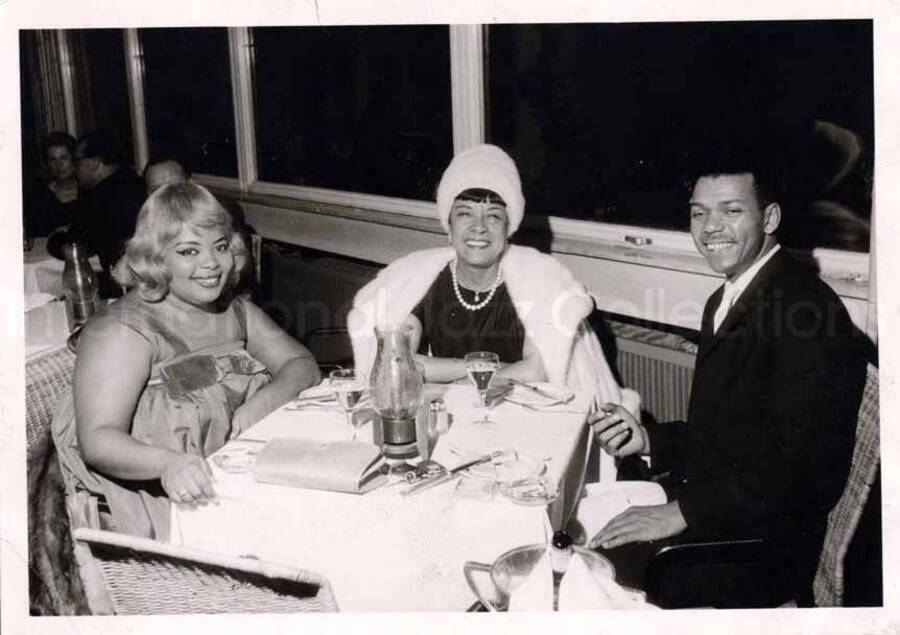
[481,293]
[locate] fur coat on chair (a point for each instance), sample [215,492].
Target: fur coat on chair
[54,584]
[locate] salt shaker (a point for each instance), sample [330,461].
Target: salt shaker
[438,415]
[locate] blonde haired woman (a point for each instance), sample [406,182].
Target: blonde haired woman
[170,372]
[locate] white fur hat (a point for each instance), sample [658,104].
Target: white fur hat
[488,167]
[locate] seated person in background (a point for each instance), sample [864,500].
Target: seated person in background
[163,171]
[112,195]
[481,293]
[170,372]
[778,380]
[51,204]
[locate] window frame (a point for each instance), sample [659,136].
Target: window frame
[849,273]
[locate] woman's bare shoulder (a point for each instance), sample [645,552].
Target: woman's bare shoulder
[106,334]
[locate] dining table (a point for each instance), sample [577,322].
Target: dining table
[383,550]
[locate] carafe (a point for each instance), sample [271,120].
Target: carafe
[80,285]
[396,389]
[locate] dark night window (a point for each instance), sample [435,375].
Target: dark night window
[190,113]
[362,109]
[106,83]
[601,117]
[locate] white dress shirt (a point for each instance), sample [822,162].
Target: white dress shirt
[734,289]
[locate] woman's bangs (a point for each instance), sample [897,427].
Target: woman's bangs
[480,195]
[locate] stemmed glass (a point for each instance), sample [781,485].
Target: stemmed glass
[348,390]
[481,367]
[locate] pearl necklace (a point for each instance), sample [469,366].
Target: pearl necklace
[478,305]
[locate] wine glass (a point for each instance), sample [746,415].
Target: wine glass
[481,367]
[348,390]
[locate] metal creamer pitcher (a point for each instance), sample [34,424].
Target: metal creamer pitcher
[396,388]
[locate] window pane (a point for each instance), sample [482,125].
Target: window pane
[107,86]
[600,117]
[190,114]
[363,109]
[31,128]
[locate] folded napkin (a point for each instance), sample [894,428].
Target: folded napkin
[339,466]
[605,500]
[535,593]
[579,589]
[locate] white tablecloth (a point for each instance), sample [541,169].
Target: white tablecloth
[382,551]
[46,327]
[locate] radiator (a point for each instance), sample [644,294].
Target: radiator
[661,376]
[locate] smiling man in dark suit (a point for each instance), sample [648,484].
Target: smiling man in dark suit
[767,445]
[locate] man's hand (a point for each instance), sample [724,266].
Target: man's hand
[618,432]
[640,524]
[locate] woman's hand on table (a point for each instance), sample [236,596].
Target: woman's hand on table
[244,417]
[188,480]
[640,524]
[618,432]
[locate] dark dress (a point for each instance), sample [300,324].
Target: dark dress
[44,212]
[194,388]
[451,330]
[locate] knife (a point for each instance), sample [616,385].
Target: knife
[450,475]
[535,390]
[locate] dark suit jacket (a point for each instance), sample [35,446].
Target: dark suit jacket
[772,415]
[106,218]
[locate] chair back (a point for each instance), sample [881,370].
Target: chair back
[147,577]
[331,347]
[47,376]
[828,585]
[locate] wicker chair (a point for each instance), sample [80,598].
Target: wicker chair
[113,573]
[828,585]
[47,376]
[142,577]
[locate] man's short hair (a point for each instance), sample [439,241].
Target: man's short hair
[103,145]
[764,156]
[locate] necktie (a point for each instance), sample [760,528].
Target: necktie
[724,306]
